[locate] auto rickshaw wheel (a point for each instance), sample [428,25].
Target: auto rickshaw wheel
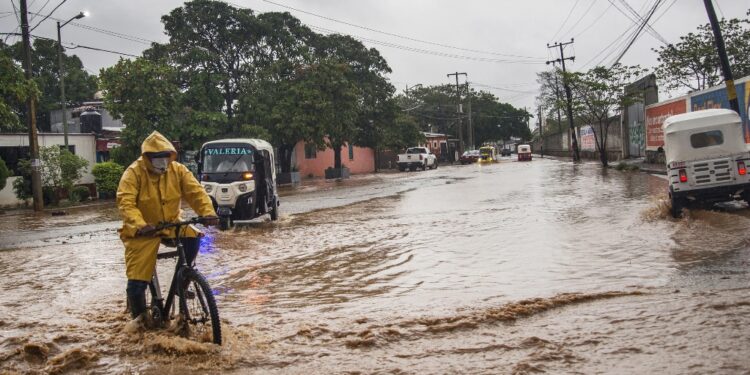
[275,211]
[225,222]
[677,205]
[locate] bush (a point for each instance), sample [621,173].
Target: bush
[123,155]
[4,174]
[22,186]
[107,176]
[622,166]
[79,193]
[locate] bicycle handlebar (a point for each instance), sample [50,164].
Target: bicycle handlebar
[167,225]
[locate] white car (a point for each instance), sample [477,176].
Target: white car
[706,158]
[417,157]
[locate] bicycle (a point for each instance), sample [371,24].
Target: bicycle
[197,306]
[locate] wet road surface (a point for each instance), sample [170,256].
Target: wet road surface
[507,268]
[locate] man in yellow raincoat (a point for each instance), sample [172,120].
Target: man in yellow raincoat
[150,193]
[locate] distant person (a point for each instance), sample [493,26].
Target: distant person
[150,193]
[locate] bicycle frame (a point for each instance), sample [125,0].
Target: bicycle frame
[164,306]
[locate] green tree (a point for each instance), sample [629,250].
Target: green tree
[268,107]
[145,96]
[107,176]
[14,91]
[80,86]
[693,63]
[329,104]
[599,97]
[61,169]
[4,173]
[215,47]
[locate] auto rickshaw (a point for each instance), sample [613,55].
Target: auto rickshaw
[240,177]
[487,154]
[524,153]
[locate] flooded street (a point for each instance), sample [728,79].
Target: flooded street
[507,268]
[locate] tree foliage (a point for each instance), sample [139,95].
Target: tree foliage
[14,91]
[4,173]
[145,96]
[80,86]
[693,62]
[434,108]
[107,176]
[600,96]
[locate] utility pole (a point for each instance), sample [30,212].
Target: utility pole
[458,113]
[721,49]
[470,124]
[541,130]
[36,177]
[568,95]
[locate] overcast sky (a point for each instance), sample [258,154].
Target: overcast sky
[500,44]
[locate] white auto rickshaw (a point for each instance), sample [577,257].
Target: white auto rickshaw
[240,177]
[524,153]
[706,158]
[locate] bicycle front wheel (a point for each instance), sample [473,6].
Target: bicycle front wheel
[198,308]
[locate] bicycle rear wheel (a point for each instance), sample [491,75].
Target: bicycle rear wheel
[198,308]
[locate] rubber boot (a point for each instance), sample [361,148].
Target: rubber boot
[137,305]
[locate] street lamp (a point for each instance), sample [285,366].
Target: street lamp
[62,74]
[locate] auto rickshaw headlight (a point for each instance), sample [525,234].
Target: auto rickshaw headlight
[242,187]
[247,176]
[208,188]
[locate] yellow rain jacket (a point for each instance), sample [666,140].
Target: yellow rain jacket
[145,197]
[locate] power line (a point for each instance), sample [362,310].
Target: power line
[392,34]
[429,52]
[47,16]
[566,20]
[596,19]
[501,88]
[638,17]
[638,32]
[40,10]
[586,12]
[76,46]
[131,38]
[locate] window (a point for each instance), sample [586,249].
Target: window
[71,148]
[351,152]
[311,151]
[11,156]
[706,139]
[434,145]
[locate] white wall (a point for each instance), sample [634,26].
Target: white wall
[85,147]
[7,196]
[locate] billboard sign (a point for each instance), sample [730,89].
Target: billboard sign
[717,98]
[655,116]
[588,142]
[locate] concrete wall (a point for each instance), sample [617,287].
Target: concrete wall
[85,146]
[7,196]
[363,161]
[557,143]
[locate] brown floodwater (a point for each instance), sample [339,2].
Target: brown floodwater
[513,267]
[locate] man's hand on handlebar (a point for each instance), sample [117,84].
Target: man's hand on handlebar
[148,230]
[210,221]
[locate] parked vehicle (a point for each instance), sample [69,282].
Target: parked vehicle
[487,154]
[469,157]
[505,151]
[524,153]
[240,177]
[417,157]
[706,158]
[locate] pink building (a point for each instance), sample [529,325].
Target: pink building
[312,162]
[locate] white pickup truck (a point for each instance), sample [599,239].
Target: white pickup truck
[417,157]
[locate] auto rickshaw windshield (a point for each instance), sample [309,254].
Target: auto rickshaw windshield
[228,159]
